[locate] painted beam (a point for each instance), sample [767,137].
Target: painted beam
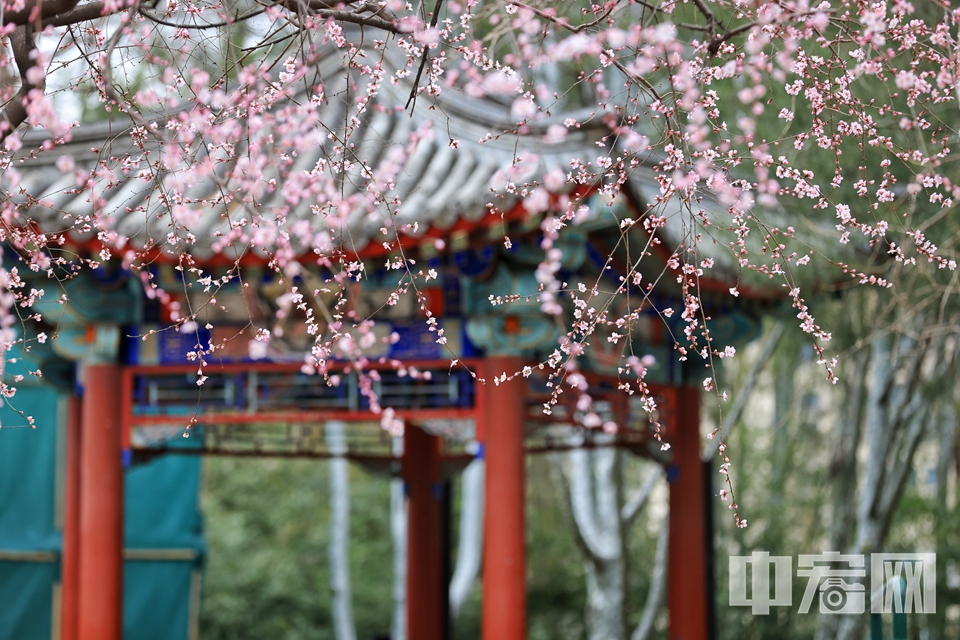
[504,554]
[100,557]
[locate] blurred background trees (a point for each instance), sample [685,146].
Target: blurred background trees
[867,464]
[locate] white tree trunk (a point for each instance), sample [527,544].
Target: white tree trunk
[398,529]
[606,586]
[470,545]
[897,416]
[657,582]
[595,504]
[340,533]
[601,517]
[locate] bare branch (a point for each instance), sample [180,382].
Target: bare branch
[209,25]
[717,41]
[920,424]
[360,19]
[365,14]
[630,510]
[38,11]
[423,60]
[81,13]
[15,111]
[563,22]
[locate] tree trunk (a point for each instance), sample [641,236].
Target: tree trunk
[843,464]
[470,544]
[606,585]
[658,580]
[897,416]
[340,533]
[944,532]
[595,504]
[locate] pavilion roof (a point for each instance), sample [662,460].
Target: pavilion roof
[445,164]
[444,178]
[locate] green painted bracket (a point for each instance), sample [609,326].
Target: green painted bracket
[572,242]
[91,301]
[475,296]
[120,304]
[609,362]
[526,334]
[55,370]
[90,344]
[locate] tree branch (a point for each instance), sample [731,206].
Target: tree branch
[655,595]
[583,508]
[903,464]
[567,492]
[81,13]
[880,377]
[35,12]
[360,19]
[470,547]
[630,510]
[209,25]
[15,111]
[366,14]
[563,22]
[423,60]
[717,40]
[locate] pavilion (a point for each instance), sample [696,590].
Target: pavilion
[133,398]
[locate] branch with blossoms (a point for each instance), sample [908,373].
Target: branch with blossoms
[791,147]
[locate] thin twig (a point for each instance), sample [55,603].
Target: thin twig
[563,22]
[209,25]
[423,61]
[740,404]
[717,40]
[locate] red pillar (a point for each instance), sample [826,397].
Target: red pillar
[99,609]
[504,540]
[426,582]
[69,562]
[687,550]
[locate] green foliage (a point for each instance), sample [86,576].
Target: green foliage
[798,494]
[556,589]
[267,572]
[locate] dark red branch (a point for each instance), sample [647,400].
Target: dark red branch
[38,11]
[15,111]
[82,13]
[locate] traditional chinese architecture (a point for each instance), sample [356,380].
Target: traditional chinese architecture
[131,356]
